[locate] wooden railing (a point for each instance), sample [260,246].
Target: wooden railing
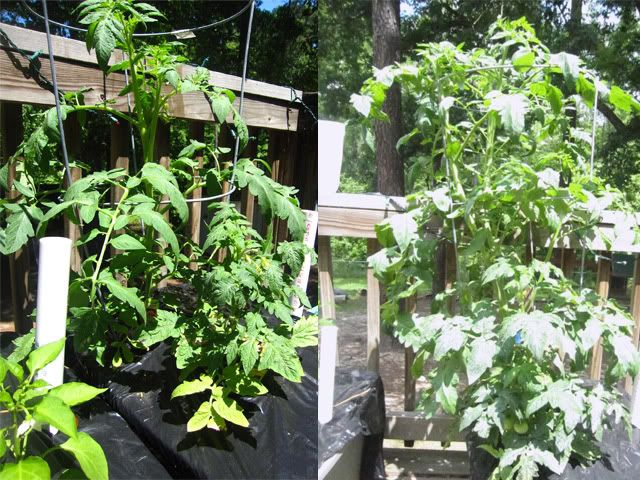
[355,215]
[267,108]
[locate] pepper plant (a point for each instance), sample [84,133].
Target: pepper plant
[507,174]
[138,242]
[30,402]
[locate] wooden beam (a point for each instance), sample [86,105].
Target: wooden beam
[73,138]
[602,289]
[281,156]
[409,306]
[325,270]
[75,50]
[635,313]
[568,262]
[196,132]
[414,426]
[373,312]
[19,264]
[17,85]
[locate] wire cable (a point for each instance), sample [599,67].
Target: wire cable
[150,34]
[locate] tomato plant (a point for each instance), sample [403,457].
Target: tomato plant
[135,243]
[29,400]
[508,176]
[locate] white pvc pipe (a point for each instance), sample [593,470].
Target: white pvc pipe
[635,403]
[330,144]
[303,277]
[327,372]
[51,312]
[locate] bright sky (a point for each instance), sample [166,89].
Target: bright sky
[269,5]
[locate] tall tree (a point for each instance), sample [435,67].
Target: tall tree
[385,17]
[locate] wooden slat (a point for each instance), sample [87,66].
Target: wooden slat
[281,156]
[12,132]
[414,426]
[602,289]
[248,201]
[373,312]
[327,298]
[568,262]
[409,306]
[16,85]
[73,139]
[196,132]
[635,313]
[75,50]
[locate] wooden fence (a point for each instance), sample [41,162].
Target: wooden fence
[267,107]
[355,215]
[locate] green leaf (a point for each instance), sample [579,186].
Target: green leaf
[189,387]
[620,99]
[470,415]
[305,332]
[159,224]
[241,131]
[17,232]
[128,295]
[523,59]
[554,96]
[164,328]
[220,106]
[279,355]
[480,358]
[500,269]
[569,64]
[230,411]
[450,339]
[127,242]
[75,393]
[200,419]
[54,412]
[249,355]
[44,355]
[273,198]
[441,199]
[405,138]
[22,346]
[164,182]
[31,468]
[89,455]
[624,349]
[404,229]
[512,109]
[104,42]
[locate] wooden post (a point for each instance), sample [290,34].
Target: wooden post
[327,298]
[281,156]
[635,313]
[196,132]
[602,289]
[248,201]
[12,133]
[73,138]
[409,307]
[373,312]
[568,262]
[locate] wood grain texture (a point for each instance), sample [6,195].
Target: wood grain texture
[327,298]
[17,85]
[414,426]
[373,312]
[19,262]
[75,50]
[635,313]
[602,289]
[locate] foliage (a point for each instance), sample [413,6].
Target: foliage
[30,402]
[505,169]
[133,221]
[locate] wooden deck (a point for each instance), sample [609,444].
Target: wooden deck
[425,460]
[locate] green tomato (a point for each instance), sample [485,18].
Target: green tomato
[508,424]
[521,427]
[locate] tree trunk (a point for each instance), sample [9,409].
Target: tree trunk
[386,50]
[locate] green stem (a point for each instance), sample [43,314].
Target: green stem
[107,237]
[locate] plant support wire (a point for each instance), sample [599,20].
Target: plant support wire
[177,33]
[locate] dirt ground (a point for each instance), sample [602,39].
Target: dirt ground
[352,349]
